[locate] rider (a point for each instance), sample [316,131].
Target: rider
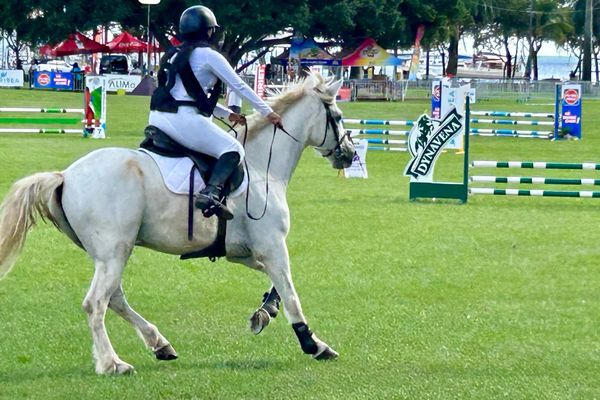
[182,106]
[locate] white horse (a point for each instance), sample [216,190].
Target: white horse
[114,199]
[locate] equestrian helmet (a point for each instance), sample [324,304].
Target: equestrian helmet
[196,21]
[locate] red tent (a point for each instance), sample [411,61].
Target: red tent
[46,51]
[77,43]
[127,43]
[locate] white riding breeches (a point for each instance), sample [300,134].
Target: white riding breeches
[196,132]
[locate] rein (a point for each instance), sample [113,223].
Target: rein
[337,150]
[264,211]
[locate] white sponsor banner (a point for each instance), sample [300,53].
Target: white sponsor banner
[426,141]
[11,78]
[259,81]
[358,169]
[125,82]
[454,97]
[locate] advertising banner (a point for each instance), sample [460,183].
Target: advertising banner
[53,80]
[358,169]
[426,141]
[11,78]
[414,60]
[259,81]
[95,106]
[571,109]
[436,99]
[115,82]
[446,94]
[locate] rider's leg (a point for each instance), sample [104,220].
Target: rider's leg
[210,199]
[201,134]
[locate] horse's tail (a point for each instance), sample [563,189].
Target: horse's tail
[27,199]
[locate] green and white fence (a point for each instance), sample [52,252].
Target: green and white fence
[541,180]
[15,121]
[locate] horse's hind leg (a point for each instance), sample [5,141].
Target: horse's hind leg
[156,342]
[107,279]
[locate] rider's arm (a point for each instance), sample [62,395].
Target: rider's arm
[223,70]
[221,111]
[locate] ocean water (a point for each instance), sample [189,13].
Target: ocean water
[556,67]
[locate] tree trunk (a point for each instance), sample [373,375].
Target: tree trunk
[596,65]
[515,64]
[427,64]
[355,73]
[528,66]
[453,53]
[508,64]
[586,70]
[534,64]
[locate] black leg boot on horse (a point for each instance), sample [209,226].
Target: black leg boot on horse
[210,199]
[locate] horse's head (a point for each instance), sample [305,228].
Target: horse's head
[312,117]
[336,145]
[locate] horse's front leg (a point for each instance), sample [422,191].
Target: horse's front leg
[277,266]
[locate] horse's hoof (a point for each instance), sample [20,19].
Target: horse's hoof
[116,367]
[325,352]
[259,321]
[166,353]
[123,368]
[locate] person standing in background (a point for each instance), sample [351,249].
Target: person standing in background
[234,101]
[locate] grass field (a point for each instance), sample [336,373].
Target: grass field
[495,299]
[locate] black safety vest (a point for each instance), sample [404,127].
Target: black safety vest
[162,100]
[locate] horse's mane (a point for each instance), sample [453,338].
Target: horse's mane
[314,83]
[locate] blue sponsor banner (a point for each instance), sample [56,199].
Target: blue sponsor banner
[436,99]
[53,80]
[571,109]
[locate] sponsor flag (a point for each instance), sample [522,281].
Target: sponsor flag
[414,61]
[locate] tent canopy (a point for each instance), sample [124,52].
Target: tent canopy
[77,43]
[127,43]
[369,54]
[46,51]
[308,52]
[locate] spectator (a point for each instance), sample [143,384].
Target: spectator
[136,69]
[75,68]
[32,68]
[234,101]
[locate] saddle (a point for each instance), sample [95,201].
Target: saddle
[157,141]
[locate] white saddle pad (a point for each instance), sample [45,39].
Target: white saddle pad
[176,174]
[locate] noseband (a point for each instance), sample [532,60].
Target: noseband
[337,149]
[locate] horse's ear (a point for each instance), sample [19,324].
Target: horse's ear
[334,87]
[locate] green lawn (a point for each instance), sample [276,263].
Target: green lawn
[499,298]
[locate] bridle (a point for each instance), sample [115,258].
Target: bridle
[336,150]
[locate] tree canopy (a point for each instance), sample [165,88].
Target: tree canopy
[257,25]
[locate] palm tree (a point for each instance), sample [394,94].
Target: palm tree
[549,21]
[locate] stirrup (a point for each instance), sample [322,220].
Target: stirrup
[210,205]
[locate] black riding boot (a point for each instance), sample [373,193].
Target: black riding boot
[210,199]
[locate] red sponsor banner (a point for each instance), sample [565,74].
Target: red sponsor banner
[571,96]
[43,79]
[259,81]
